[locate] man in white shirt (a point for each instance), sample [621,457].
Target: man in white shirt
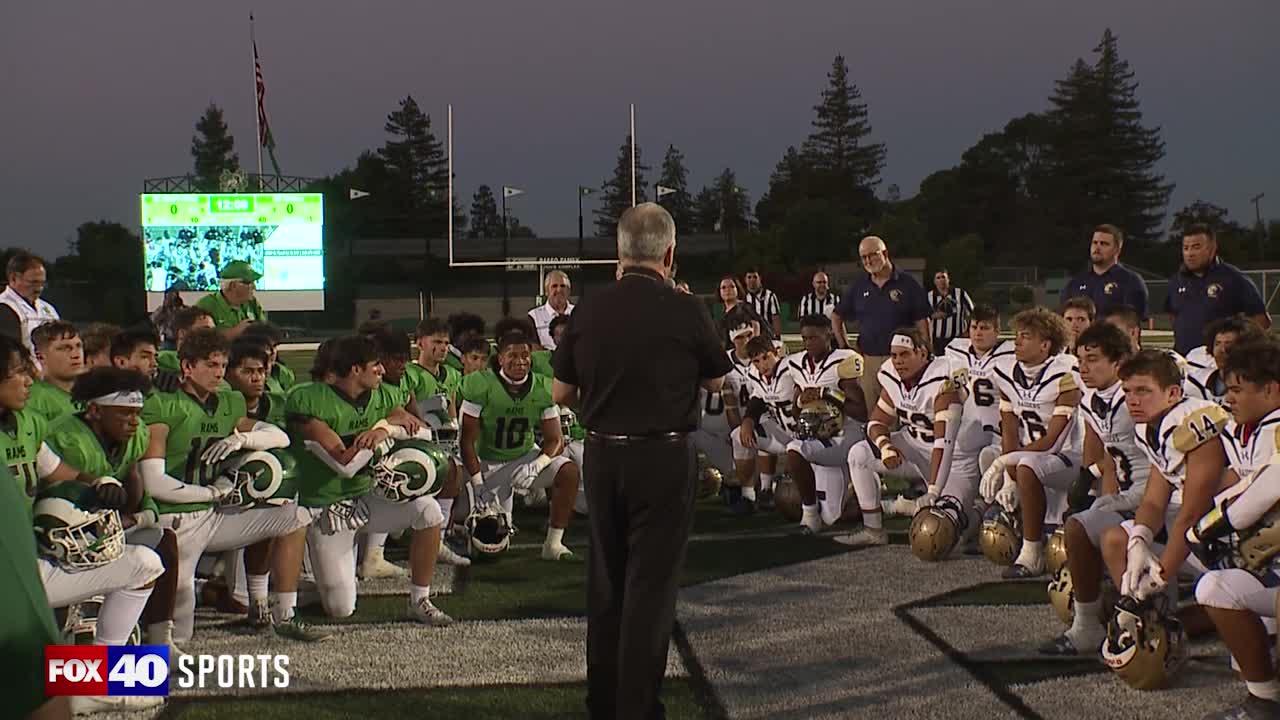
[21,309]
[821,301]
[556,288]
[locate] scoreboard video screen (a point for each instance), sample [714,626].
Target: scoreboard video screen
[189,238]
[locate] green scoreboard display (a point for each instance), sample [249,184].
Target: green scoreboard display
[190,237]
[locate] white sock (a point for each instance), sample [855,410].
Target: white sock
[809,510]
[766,482]
[872,521]
[160,633]
[1031,553]
[555,536]
[417,592]
[1267,689]
[749,493]
[374,541]
[1085,625]
[119,614]
[282,605]
[258,588]
[446,508]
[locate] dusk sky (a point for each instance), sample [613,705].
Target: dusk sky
[99,95]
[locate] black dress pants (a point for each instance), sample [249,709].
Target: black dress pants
[640,497]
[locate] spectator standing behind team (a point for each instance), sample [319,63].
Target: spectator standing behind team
[21,308]
[1106,282]
[731,297]
[556,286]
[1205,289]
[234,306]
[763,301]
[951,310]
[882,301]
[162,318]
[821,301]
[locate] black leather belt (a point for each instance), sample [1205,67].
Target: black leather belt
[611,439]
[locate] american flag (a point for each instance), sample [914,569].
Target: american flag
[264,128]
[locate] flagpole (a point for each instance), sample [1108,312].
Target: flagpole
[449,200]
[633,154]
[257,121]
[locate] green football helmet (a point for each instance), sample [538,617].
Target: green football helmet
[72,532]
[410,469]
[258,476]
[443,427]
[567,421]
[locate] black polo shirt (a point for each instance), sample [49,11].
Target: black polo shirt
[881,310]
[1117,286]
[1194,301]
[637,353]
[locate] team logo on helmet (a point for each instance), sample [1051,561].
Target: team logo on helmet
[1146,644]
[935,530]
[1055,550]
[71,534]
[1000,537]
[409,469]
[786,498]
[257,475]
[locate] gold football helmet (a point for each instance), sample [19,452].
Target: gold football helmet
[936,529]
[819,420]
[1062,596]
[1146,644]
[1259,545]
[709,477]
[1055,550]
[1000,537]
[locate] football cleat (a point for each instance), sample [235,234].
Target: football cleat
[1146,644]
[449,557]
[864,537]
[376,565]
[424,611]
[556,552]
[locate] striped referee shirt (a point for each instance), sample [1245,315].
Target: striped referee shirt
[811,304]
[956,322]
[765,303]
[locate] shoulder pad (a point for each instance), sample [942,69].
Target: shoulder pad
[850,368]
[1197,425]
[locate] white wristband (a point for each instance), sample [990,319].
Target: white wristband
[1143,532]
[477,479]
[541,462]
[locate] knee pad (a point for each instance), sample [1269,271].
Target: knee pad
[429,514]
[1215,590]
[860,456]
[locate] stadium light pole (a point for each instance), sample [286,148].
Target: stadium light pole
[1257,207]
[583,191]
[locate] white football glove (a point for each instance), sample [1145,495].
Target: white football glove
[145,519]
[926,500]
[992,480]
[525,475]
[220,450]
[1008,496]
[1143,575]
[222,487]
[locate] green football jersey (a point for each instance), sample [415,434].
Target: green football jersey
[51,401]
[412,383]
[28,619]
[193,427]
[541,360]
[80,448]
[168,360]
[447,382]
[507,421]
[21,434]
[281,378]
[319,485]
[271,409]
[453,361]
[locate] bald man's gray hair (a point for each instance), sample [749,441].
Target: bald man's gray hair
[645,232]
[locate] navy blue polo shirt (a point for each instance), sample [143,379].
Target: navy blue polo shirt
[1117,286]
[881,310]
[1197,300]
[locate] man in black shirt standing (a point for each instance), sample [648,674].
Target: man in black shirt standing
[636,386]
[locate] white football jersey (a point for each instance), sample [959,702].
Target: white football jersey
[915,405]
[1246,452]
[840,364]
[778,393]
[1199,358]
[1205,383]
[1105,412]
[1034,398]
[981,416]
[1185,427]
[714,419]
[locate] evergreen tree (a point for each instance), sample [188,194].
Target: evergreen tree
[615,193]
[706,211]
[485,221]
[736,214]
[416,163]
[213,149]
[1104,158]
[788,186]
[838,145]
[676,176]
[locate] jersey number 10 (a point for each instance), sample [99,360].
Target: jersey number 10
[510,433]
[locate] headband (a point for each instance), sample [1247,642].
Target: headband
[743,328]
[131,398]
[902,341]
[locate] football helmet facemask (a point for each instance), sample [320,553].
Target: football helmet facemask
[935,530]
[75,537]
[1000,537]
[486,525]
[410,469]
[1146,644]
[819,420]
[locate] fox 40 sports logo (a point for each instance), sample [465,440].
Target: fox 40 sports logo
[106,670]
[119,670]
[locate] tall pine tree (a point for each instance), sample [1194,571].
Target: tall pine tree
[839,144]
[615,193]
[1104,158]
[734,201]
[213,149]
[485,220]
[419,170]
[676,177]
[706,211]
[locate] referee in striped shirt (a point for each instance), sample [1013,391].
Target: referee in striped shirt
[952,308]
[821,301]
[763,301]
